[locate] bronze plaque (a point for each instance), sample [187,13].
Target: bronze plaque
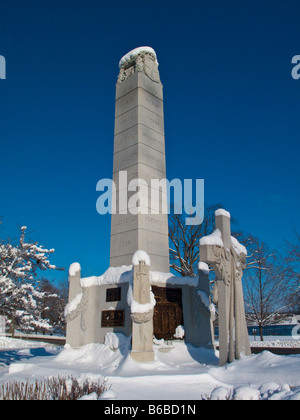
[113,318]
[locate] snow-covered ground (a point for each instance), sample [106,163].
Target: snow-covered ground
[181,372]
[275,341]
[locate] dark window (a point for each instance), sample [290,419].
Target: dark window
[113,318]
[113,295]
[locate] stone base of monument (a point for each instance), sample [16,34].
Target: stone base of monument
[142,356]
[134,302]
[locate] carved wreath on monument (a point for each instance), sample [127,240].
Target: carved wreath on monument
[143,62]
[142,318]
[228,264]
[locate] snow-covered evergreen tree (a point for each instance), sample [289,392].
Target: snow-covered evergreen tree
[20,298]
[53,304]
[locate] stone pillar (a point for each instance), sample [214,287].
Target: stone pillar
[75,293]
[207,336]
[142,310]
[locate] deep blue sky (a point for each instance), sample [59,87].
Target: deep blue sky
[231,112]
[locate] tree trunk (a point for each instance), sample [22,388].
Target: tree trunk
[261,332]
[12,329]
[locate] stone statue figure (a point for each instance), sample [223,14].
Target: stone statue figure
[228,259]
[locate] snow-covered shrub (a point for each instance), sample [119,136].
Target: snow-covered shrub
[55,388]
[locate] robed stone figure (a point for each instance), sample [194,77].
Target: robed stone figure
[227,257]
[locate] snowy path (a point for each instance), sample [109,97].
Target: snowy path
[184,373]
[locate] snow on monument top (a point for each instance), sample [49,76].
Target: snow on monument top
[202,266]
[133,53]
[74,269]
[222,212]
[215,238]
[139,256]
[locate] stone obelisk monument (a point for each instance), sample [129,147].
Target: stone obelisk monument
[139,153]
